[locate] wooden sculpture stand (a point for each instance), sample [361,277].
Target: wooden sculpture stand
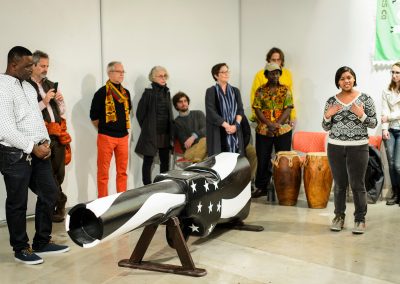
[136,261]
[240,226]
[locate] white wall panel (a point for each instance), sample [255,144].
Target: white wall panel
[187,37]
[317,38]
[69,31]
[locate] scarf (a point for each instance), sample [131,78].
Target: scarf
[121,97]
[228,106]
[60,130]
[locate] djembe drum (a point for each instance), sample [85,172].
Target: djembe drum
[287,177]
[317,179]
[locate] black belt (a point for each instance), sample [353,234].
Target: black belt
[10,149]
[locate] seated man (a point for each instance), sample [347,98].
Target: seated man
[190,129]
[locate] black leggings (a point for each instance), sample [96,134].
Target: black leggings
[164,154]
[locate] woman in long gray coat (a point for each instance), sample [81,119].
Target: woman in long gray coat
[224,112]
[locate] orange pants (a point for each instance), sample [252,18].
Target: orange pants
[106,146]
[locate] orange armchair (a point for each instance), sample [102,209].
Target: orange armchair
[304,141]
[376,141]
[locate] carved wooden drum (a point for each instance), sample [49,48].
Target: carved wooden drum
[287,177]
[317,179]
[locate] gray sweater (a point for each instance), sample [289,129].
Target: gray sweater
[192,124]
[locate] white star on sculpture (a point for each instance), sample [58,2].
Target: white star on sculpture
[210,207]
[211,228]
[215,185]
[193,186]
[206,185]
[199,207]
[194,228]
[219,206]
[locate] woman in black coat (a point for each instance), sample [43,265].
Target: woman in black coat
[224,112]
[155,116]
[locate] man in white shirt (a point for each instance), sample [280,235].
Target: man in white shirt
[24,153]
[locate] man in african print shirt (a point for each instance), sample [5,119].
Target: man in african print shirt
[273,104]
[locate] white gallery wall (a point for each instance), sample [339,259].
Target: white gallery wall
[187,37]
[317,38]
[69,31]
[81,37]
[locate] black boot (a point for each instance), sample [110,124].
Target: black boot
[257,192]
[271,192]
[395,197]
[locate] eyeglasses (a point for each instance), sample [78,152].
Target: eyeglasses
[119,72]
[395,72]
[224,72]
[162,76]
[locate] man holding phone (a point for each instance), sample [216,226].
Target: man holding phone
[51,103]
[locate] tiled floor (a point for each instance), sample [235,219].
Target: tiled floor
[295,247]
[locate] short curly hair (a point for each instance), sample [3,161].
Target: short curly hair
[155,70]
[177,97]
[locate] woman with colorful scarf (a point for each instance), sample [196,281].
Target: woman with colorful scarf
[224,113]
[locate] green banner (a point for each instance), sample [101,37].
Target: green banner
[387,42]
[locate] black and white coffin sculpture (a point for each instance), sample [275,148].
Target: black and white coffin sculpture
[203,195]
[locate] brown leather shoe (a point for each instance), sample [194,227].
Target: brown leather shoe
[57,218]
[258,193]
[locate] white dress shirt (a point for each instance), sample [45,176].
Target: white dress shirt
[21,121]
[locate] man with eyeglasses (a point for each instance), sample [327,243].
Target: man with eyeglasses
[110,114]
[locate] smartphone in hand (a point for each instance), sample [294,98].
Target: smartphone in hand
[55,87]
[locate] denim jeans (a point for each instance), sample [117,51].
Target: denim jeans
[349,165]
[264,146]
[39,178]
[392,147]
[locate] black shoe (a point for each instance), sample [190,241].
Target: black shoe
[258,193]
[370,200]
[27,256]
[51,248]
[392,201]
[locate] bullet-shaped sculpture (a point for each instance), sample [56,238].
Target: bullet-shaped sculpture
[203,195]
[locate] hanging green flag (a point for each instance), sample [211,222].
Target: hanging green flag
[387,42]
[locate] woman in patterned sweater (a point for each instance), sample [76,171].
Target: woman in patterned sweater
[347,116]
